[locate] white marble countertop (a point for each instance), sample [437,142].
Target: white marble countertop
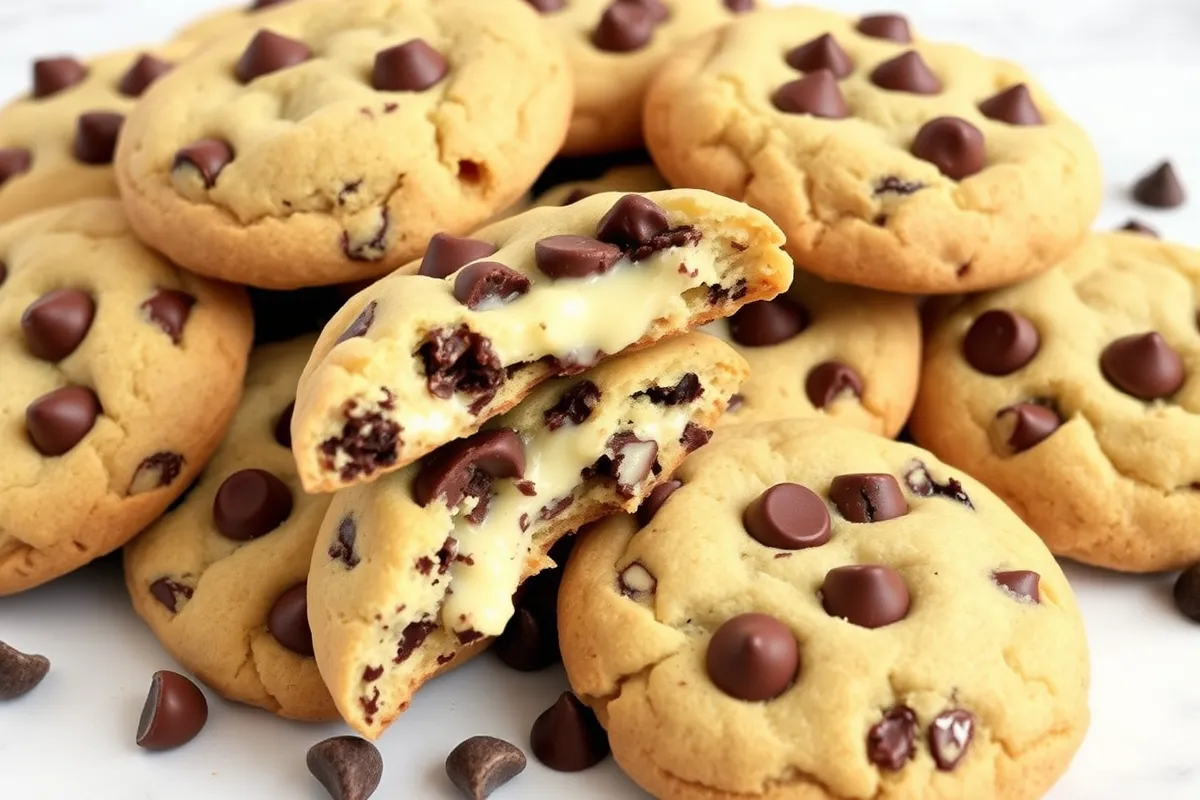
[1129,70]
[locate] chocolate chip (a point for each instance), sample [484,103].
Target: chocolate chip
[343,547]
[953,145]
[890,742]
[574,196]
[1013,105]
[1187,592]
[283,426]
[269,52]
[259,5]
[145,71]
[1137,226]
[575,406]
[687,390]
[1000,342]
[892,27]
[55,324]
[633,221]
[1025,425]
[635,581]
[753,657]
[482,764]
[1021,583]
[251,503]
[413,637]
[410,67]
[907,72]
[867,595]
[741,6]
[459,360]
[922,484]
[694,437]
[3,272]
[169,309]
[719,295]
[950,735]
[96,136]
[1160,188]
[288,620]
[624,27]
[828,381]
[466,468]
[361,324]
[816,94]
[156,471]
[14,161]
[768,322]
[20,673]
[547,6]
[567,737]
[683,236]
[58,421]
[868,497]
[174,712]
[52,75]
[369,439]
[656,500]
[487,284]
[821,53]
[788,516]
[1143,365]
[447,254]
[628,460]
[574,256]
[657,8]
[348,767]
[894,184]
[529,643]
[207,156]
[169,593]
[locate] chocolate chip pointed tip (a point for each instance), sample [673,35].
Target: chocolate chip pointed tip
[867,595]
[1000,342]
[208,157]
[1025,425]
[349,767]
[753,657]
[567,737]
[1160,188]
[816,94]
[624,27]
[56,323]
[1139,227]
[142,73]
[953,145]
[632,221]
[170,309]
[1144,366]
[1013,105]
[269,52]
[821,53]
[58,421]
[1021,583]
[413,66]
[907,72]
[831,380]
[480,765]
[53,75]
[892,27]
[20,673]
[174,713]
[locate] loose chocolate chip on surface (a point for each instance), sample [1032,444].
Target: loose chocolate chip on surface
[657,499]
[788,516]
[207,156]
[170,309]
[687,390]
[867,595]
[283,426]
[950,735]
[953,145]
[447,254]
[169,593]
[1020,582]
[52,75]
[892,27]
[1143,365]
[145,71]
[348,767]
[907,72]
[488,283]
[251,503]
[868,497]
[753,657]
[20,673]
[624,27]
[921,483]
[574,256]
[768,322]
[1160,188]
[890,742]
[96,136]
[342,548]
[466,468]
[1026,425]
[1137,226]
[1000,342]
[58,421]
[482,764]
[410,67]
[574,407]
[632,222]
[269,52]
[1014,105]
[459,360]
[175,711]
[1187,592]
[14,161]
[288,620]
[828,381]
[821,53]
[816,94]
[567,737]
[55,324]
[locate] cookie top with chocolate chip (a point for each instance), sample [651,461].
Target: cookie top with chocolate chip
[411,573]
[326,142]
[221,578]
[429,354]
[120,374]
[1076,397]
[889,161]
[853,619]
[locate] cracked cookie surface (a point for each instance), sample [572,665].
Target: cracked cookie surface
[1076,397]
[412,573]
[120,375]
[326,142]
[893,163]
[220,579]
[854,619]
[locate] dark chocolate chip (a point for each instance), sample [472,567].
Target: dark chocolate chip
[466,468]
[14,161]
[1000,342]
[659,12]
[482,764]
[369,440]
[547,6]
[741,6]
[52,75]
[459,360]
[868,497]
[574,196]
[259,5]
[753,657]
[922,484]
[1187,592]
[1160,188]
[288,620]
[55,324]
[768,322]
[1143,365]
[894,184]
[891,741]
[251,503]
[656,500]
[410,67]
[735,402]
[574,256]
[361,324]
[169,593]
[1030,424]
[1020,582]
[207,156]
[828,381]
[950,735]
[694,437]
[413,637]
[719,295]
[488,284]
[953,145]
[269,52]
[1137,226]
[528,643]
[816,94]
[169,309]
[821,53]
[283,426]
[58,421]
[447,254]
[156,471]
[628,460]
[633,221]
[624,27]
[892,27]
[342,548]
[20,673]
[867,595]
[788,516]
[174,712]
[348,767]
[567,737]
[907,72]
[687,390]
[145,71]
[574,407]
[1014,105]
[96,136]
[682,236]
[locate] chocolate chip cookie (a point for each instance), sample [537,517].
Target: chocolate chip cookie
[412,573]
[889,162]
[327,142]
[429,354]
[221,579]
[852,619]
[120,375]
[1072,397]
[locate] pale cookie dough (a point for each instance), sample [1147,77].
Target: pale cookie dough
[57,141]
[119,374]
[960,175]
[417,360]
[223,21]
[412,573]
[328,141]
[1076,398]
[853,619]
[221,578]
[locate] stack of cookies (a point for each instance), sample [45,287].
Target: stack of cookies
[376,371]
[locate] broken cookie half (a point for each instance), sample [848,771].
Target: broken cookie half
[413,574]
[431,353]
